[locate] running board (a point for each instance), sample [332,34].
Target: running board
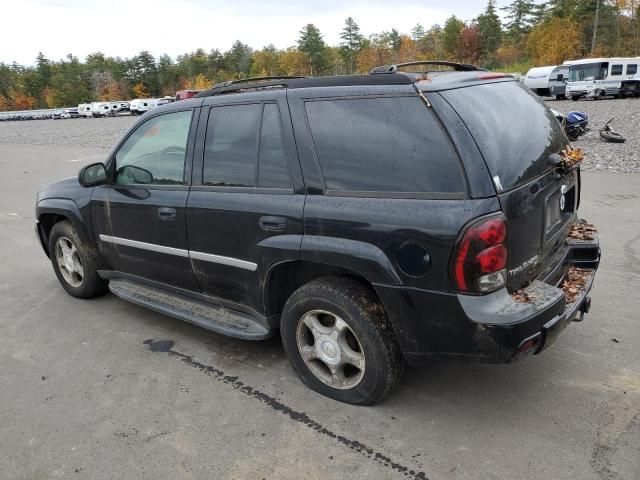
[212,317]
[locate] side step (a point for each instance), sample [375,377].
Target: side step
[212,317]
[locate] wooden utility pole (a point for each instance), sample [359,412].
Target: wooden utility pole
[595,28]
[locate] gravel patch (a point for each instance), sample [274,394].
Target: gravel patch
[600,155]
[77,132]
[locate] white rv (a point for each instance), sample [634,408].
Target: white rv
[119,106]
[84,110]
[100,109]
[548,81]
[603,76]
[141,105]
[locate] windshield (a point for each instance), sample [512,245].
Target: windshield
[588,71]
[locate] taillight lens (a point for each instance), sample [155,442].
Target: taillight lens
[480,259]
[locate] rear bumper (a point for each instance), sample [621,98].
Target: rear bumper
[492,328]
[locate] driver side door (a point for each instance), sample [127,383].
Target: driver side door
[140,218]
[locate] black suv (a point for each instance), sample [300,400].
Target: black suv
[371,219]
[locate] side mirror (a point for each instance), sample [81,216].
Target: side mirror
[92,175]
[560,77]
[133,174]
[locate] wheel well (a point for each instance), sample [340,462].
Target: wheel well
[286,278]
[46,223]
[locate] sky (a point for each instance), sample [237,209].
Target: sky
[125,27]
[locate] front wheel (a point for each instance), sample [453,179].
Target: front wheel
[339,341]
[74,262]
[575,98]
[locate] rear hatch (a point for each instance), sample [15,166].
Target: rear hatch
[516,134]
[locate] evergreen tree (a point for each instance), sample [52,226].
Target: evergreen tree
[519,18]
[451,35]
[312,45]
[351,44]
[395,40]
[490,29]
[418,32]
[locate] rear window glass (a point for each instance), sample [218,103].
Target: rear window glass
[632,69]
[390,144]
[514,130]
[616,70]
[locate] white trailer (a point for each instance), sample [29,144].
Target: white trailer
[119,106]
[84,110]
[615,76]
[141,105]
[549,81]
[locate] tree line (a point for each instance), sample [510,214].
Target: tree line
[527,34]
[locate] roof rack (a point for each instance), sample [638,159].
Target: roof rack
[458,67]
[256,79]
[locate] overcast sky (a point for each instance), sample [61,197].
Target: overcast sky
[125,27]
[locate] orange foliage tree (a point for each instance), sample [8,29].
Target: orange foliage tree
[469,46]
[4,103]
[139,90]
[111,91]
[22,101]
[555,41]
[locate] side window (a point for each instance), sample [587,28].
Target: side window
[231,146]
[155,152]
[391,144]
[616,69]
[632,69]
[273,167]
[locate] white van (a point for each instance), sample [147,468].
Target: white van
[141,105]
[603,76]
[84,110]
[549,81]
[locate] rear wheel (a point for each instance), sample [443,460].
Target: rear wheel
[575,98]
[339,340]
[75,263]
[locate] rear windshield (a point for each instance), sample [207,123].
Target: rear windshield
[514,130]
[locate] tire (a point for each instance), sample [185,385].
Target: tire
[560,97]
[575,98]
[86,284]
[365,335]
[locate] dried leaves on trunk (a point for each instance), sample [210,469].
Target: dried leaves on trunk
[521,296]
[575,282]
[571,157]
[582,231]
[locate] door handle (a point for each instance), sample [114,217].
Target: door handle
[166,213]
[273,224]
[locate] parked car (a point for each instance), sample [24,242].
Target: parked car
[70,113]
[369,219]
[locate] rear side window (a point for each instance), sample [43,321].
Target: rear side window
[616,70]
[390,144]
[632,69]
[243,147]
[514,130]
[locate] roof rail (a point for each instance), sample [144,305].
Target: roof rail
[459,67]
[256,79]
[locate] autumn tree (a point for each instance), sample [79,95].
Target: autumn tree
[22,101]
[266,62]
[469,46]
[351,43]
[139,90]
[554,41]
[4,103]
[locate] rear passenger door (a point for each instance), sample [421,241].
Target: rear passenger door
[244,211]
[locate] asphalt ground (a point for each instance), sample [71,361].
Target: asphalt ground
[103,389]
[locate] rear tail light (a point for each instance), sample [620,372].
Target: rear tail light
[480,260]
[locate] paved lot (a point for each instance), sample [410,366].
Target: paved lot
[84,394]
